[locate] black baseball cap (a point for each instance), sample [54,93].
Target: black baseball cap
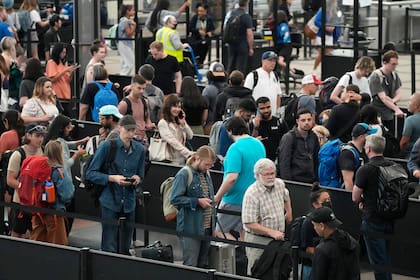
[326,216]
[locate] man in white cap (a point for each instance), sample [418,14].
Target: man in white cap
[109,116]
[310,85]
[265,82]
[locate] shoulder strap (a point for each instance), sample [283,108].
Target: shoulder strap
[356,153]
[129,107]
[190,175]
[108,85]
[255,75]
[94,144]
[98,84]
[22,154]
[145,107]
[350,78]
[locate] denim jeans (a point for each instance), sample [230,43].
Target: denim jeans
[195,252]
[111,234]
[378,247]
[306,272]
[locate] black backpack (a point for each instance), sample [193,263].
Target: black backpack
[4,163]
[291,110]
[296,231]
[231,31]
[325,93]
[275,262]
[393,191]
[92,187]
[392,145]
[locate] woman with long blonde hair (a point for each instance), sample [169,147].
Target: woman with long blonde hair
[41,108]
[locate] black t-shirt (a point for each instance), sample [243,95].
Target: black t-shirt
[367,180]
[309,238]
[88,97]
[347,160]
[271,132]
[165,70]
[194,114]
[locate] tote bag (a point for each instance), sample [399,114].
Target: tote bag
[157,148]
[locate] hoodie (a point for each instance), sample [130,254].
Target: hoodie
[336,258]
[230,91]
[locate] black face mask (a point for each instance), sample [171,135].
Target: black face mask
[327,204]
[175,25]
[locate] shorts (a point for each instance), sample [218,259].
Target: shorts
[20,221]
[227,222]
[328,41]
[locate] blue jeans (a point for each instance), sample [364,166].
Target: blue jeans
[378,247]
[306,272]
[111,234]
[195,252]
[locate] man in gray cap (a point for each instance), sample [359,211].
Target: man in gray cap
[337,255]
[265,82]
[120,180]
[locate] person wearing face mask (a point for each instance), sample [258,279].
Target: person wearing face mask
[265,209]
[171,39]
[309,238]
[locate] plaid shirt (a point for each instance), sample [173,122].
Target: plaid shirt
[264,206]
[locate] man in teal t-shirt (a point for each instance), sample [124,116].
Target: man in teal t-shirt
[238,175]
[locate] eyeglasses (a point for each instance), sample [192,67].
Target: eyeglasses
[37,129]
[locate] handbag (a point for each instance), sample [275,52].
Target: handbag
[311,29]
[157,251]
[157,148]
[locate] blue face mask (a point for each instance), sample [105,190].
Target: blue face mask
[327,204]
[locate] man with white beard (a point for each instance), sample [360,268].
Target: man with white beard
[265,209]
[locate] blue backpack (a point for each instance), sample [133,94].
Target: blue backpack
[328,171]
[105,96]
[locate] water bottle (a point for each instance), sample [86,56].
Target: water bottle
[49,192]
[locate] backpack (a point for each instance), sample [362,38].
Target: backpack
[232,103]
[255,75]
[169,211]
[34,178]
[4,163]
[231,31]
[392,145]
[112,35]
[296,231]
[393,191]
[325,93]
[328,170]
[104,96]
[275,262]
[290,110]
[214,136]
[130,108]
[95,189]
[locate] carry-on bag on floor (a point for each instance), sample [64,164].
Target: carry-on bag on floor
[222,257]
[156,251]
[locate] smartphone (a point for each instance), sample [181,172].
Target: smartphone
[131,180]
[181,115]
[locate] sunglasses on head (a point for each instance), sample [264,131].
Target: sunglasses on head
[37,129]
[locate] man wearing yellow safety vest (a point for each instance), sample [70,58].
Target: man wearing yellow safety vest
[171,39]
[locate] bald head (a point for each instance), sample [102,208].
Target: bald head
[414,103]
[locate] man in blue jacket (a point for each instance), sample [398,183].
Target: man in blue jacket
[119,178]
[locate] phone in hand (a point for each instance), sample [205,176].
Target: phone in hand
[128,179]
[181,114]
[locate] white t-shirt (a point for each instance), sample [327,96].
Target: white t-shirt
[362,83]
[268,85]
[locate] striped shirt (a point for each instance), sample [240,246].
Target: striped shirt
[206,194]
[264,206]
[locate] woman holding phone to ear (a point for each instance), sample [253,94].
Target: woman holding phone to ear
[174,130]
[60,74]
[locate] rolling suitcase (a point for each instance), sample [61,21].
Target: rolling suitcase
[222,257]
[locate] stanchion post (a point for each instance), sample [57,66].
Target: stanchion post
[295,262]
[212,274]
[84,253]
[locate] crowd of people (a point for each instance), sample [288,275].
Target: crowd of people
[259,141]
